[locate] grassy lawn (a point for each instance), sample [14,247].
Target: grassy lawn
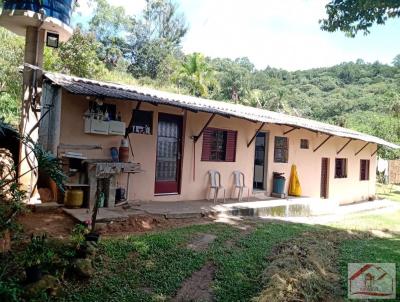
[367,222]
[382,246]
[388,191]
[153,267]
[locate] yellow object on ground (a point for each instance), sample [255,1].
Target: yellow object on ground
[294,183]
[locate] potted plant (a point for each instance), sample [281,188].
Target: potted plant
[35,257]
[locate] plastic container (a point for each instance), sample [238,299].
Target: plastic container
[114,154]
[278,183]
[124,151]
[58,9]
[73,198]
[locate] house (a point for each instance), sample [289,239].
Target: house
[177,139]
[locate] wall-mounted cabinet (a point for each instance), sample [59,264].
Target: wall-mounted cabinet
[116,128]
[95,126]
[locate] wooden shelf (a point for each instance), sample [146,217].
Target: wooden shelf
[76,185]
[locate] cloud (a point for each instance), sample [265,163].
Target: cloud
[133,7]
[284,33]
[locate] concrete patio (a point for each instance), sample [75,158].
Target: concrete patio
[304,210]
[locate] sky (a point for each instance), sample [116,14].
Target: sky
[282,34]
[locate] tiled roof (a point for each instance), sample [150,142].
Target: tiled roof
[99,89]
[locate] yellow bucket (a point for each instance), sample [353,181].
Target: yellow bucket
[73,198]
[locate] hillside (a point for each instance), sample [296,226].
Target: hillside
[361,96]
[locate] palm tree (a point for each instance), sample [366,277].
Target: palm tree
[196,75]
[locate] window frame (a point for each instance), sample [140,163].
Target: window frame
[344,169]
[307,144]
[366,170]
[284,149]
[218,146]
[228,148]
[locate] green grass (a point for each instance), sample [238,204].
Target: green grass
[367,222]
[388,191]
[384,248]
[152,267]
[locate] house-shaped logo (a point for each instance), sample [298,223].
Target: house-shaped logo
[371,281]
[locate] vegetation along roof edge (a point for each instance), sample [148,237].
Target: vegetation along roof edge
[82,86]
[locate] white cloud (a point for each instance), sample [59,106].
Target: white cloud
[280,33]
[283,33]
[132,7]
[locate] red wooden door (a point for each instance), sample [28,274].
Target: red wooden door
[169,150]
[324,177]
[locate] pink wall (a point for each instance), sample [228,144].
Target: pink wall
[144,148]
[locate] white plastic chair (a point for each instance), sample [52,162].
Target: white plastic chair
[215,184]
[240,185]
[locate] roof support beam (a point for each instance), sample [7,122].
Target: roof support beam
[344,146]
[254,137]
[377,149]
[323,143]
[287,132]
[361,149]
[196,137]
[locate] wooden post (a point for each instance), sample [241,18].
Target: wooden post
[377,148]
[255,135]
[345,145]
[287,132]
[361,149]
[323,143]
[196,138]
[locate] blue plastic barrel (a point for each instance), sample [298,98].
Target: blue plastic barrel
[58,9]
[278,186]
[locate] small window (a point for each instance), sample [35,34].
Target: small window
[281,151]
[142,122]
[304,144]
[341,168]
[219,145]
[364,169]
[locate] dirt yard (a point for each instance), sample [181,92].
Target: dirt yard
[57,224]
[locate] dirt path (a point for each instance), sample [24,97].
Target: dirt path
[198,287]
[55,223]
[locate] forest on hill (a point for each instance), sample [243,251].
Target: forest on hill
[146,50]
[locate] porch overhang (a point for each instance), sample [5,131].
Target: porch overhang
[97,89]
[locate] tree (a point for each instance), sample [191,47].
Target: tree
[155,35]
[196,75]
[110,24]
[12,54]
[233,77]
[352,16]
[396,61]
[79,57]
